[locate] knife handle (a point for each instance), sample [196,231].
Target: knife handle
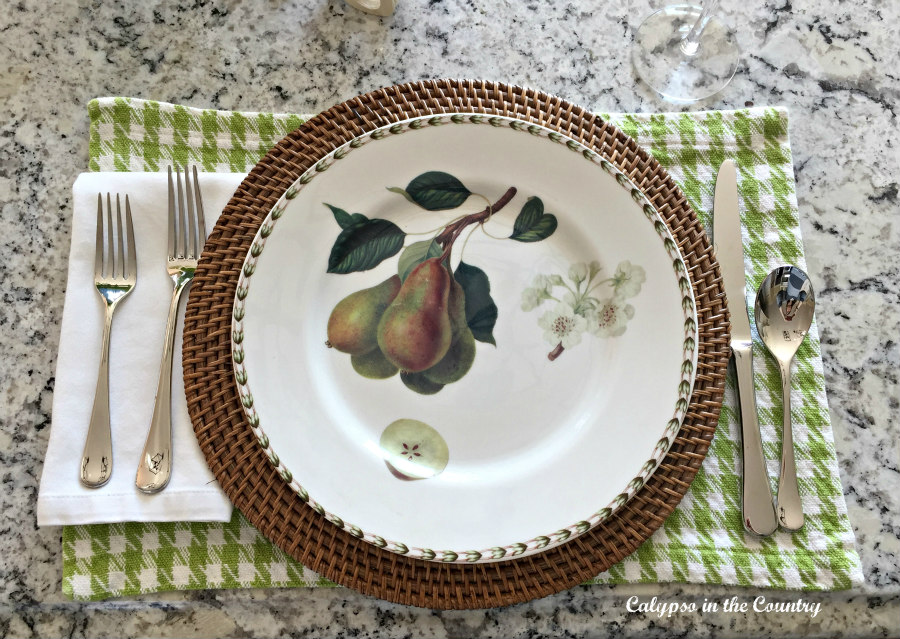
[757,504]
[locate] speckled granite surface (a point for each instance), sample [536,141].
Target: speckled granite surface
[833,66]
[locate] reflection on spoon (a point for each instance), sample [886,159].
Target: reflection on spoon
[792,290]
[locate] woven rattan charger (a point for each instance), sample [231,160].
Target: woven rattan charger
[268,502]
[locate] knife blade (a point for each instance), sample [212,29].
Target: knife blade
[757,504]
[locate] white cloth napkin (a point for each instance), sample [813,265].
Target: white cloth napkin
[135,349]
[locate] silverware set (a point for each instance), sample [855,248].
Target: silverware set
[784,309]
[115,276]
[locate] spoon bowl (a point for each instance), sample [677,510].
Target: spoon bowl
[784,310]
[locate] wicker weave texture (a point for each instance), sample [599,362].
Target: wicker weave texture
[252,484]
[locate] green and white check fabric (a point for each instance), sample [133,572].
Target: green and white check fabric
[702,542]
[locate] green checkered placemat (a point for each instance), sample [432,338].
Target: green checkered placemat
[703,541]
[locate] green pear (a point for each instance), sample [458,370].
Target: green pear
[353,324]
[414,332]
[461,354]
[419,383]
[373,365]
[456,307]
[456,362]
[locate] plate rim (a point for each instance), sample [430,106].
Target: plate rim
[540,542]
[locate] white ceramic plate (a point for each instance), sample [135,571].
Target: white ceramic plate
[584,325]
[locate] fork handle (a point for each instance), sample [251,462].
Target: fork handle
[155,467]
[97,457]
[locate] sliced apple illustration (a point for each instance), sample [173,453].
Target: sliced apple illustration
[413,450]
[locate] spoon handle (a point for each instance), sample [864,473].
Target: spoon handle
[788,504]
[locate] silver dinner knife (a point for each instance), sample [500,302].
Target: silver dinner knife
[756,494]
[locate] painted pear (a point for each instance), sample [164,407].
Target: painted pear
[415,332]
[419,383]
[456,307]
[353,324]
[373,365]
[461,354]
[456,362]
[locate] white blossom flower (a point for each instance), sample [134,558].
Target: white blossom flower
[578,272]
[532,298]
[581,304]
[610,318]
[628,279]
[556,280]
[541,283]
[562,325]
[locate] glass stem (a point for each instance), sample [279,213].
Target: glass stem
[691,42]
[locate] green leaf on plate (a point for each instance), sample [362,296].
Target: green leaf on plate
[344,219]
[415,254]
[481,311]
[435,191]
[364,245]
[533,225]
[399,191]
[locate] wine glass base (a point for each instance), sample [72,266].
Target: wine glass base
[660,60]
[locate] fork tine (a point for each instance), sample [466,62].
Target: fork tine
[171,216]
[190,240]
[201,221]
[110,266]
[120,254]
[98,251]
[132,250]
[179,228]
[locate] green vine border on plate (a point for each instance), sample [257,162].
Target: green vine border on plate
[541,542]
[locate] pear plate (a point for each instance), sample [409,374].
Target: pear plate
[464,338]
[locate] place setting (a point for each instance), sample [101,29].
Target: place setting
[450,343]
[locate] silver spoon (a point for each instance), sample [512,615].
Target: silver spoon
[784,311]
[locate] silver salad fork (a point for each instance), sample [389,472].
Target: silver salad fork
[115,274]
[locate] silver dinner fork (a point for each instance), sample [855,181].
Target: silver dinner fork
[187,234]
[115,274]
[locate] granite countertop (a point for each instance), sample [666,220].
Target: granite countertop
[834,66]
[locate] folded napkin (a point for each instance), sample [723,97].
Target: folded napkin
[136,345]
[703,541]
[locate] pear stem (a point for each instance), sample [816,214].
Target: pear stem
[448,236]
[556,352]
